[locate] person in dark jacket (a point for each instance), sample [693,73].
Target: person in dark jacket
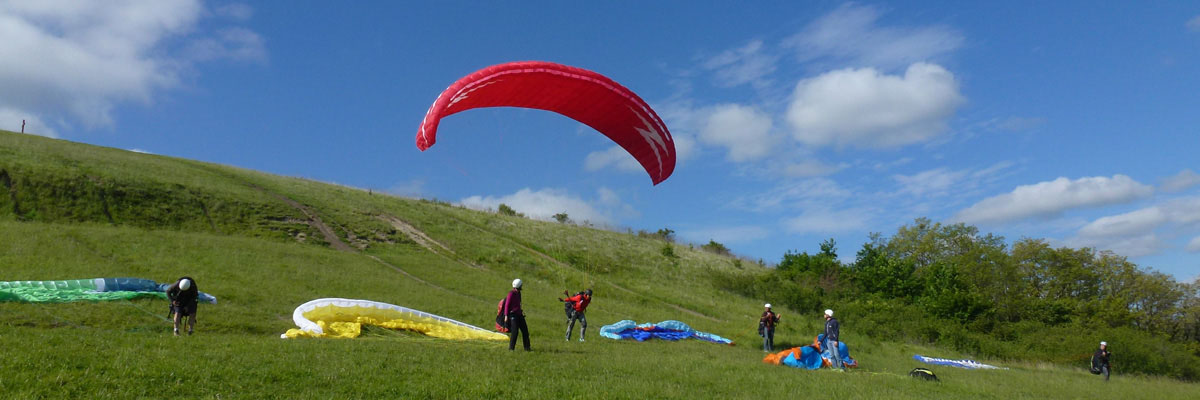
[514,317]
[1100,365]
[767,323]
[577,305]
[832,332]
[183,295]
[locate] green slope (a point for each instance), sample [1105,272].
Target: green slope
[264,244]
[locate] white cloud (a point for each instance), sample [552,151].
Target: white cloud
[1194,24]
[1129,246]
[794,194]
[885,166]
[1135,222]
[865,108]
[934,182]
[1193,246]
[80,59]
[850,36]
[810,168]
[825,220]
[10,119]
[237,11]
[726,235]
[544,203]
[1136,233]
[140,151]
[235,44]
[747,64]
[744,130]
[1182,181]
[615,157]
[1053,197]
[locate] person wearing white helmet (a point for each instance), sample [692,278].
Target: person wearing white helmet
[183,295]
[766,327]
[832,332]
[1100,365]
[514,316]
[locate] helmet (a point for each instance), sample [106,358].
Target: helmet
[517,283]
[1104,343]
[588,292]
[185,284]
[829,313]
[768,305]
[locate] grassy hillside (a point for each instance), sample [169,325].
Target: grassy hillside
[264,244]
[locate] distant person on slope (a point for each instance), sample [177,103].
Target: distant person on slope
[514,317]
[832,329]
[766,326]
[576,305]
[183,295]
[1100,365]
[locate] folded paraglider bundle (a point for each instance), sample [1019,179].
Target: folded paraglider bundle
[967,364]
[667,330]
[343,318]
[97,289]
[811,356]
[922,373]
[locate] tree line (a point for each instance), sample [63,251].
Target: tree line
[949,284]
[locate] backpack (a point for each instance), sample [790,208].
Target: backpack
[500,327]
[923,373]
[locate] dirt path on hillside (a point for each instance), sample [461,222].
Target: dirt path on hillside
[314,220]
[415,234]
[561,264]
[336,242]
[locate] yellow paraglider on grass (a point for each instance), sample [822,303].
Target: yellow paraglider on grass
[343,318]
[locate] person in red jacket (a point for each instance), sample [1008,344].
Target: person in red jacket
[576,305]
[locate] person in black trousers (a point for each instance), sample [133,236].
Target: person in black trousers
[514,317]
[1100,365]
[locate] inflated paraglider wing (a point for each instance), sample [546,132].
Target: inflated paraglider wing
[334,317]
[96,289]
[582,95]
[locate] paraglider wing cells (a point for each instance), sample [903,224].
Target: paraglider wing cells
[580,94]
[343,318]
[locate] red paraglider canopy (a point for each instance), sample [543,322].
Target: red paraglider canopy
[582,95]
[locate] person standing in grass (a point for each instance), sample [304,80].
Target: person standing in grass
[1100,365]
[577,304]
[767,324]
[514,317]
[183,295]
[832,331]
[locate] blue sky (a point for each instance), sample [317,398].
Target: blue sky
[794,121]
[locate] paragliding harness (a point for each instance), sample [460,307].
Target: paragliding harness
[569,306]
[762,328]
[923,373]
[500,325]
[1097,365]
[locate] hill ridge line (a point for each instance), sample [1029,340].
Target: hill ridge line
[561,264]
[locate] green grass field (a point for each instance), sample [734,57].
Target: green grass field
[70,211]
